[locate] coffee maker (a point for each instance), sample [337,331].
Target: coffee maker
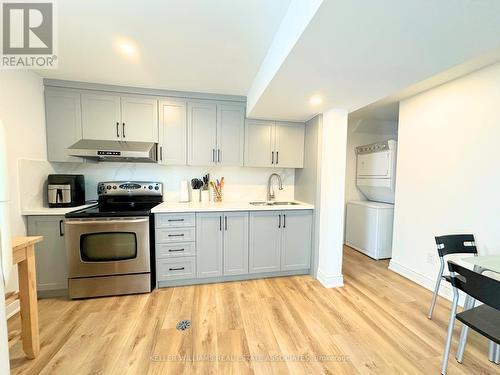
[65,190]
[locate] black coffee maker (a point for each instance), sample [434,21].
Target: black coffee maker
[65,190]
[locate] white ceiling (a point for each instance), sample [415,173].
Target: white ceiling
[191,45]
[355,52]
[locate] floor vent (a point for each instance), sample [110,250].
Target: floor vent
[183,325]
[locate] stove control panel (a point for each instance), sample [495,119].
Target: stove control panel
[130,188]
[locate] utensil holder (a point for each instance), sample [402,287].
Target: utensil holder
[205,196]
[217,195]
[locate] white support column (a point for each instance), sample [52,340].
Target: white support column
[332,186]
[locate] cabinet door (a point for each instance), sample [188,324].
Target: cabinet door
[139,119]
[259,143]
[202,133]
[264,242]
[173,133]
[235,243]
[63,116]
[101,116]
[50,259]
[230,134]
[289,144]
[296,240]
[209,244]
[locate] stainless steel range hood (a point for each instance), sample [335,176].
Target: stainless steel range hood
[143,152]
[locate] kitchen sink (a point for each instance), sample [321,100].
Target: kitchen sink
[274,203]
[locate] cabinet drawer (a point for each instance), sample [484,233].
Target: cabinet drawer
[178,249]
[176,268]
[174,220]
[175,235]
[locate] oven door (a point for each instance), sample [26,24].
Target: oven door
[107,246]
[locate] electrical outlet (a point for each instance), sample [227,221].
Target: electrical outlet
[430,258]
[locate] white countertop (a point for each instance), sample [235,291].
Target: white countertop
[60,211]
[168,207]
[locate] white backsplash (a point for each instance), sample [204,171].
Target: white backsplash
[240,184]
[33,183]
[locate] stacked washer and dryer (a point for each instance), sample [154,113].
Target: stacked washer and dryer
[369,223]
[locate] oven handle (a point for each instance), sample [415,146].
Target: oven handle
[86,222]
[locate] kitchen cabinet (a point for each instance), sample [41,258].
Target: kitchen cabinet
[280,241]
[139,117]
[209,239]
[274,144]
[296,240]
[50,259]
[63,118]
[215,133]
[101,116]
[230,134]
[264,242]
[114,117]
[235,243]
[172,147]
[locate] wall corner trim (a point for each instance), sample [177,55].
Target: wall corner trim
[330,281]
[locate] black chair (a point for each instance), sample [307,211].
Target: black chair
[484,319]
[446,245]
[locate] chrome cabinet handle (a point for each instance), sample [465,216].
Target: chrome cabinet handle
[61,230]
[123,129]
[272,157]
[284,221]
[277,157]
[279,221]
[220,222]
[174,250]
[176,235]
[175,219]
[176,269]
[225,222]
[218,155]
[161,153]
[213,155]
[117,130]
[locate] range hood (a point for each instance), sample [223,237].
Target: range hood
[144,152]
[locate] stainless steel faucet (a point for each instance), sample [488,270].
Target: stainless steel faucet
[270,196]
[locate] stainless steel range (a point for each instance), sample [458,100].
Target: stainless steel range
[109,246]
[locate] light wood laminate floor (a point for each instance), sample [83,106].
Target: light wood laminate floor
[376,324]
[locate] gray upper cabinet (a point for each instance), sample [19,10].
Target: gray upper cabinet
[173,132]
[63,117]
[259,143]
[139,118]
[51,267]
[209,242]
[274,144]
[230,134]
[296,240]
[235,243]
[264,242]
[289,144]
[101,116]
[202,133]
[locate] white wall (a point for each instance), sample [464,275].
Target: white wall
[23,114]
[448,173]
[362,132]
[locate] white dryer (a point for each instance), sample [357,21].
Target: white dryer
[376,170]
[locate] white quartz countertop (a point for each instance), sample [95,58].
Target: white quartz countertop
[60,211]
[168,207]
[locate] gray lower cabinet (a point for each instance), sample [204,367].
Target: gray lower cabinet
[280,241]
[209,237]
[235,243]
[50,255]
[296,240]
[264,242]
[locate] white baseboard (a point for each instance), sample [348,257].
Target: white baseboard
[12,308]
[330,281]
[445,289]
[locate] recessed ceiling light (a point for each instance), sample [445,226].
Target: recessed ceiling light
[315,100]
[127,48]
